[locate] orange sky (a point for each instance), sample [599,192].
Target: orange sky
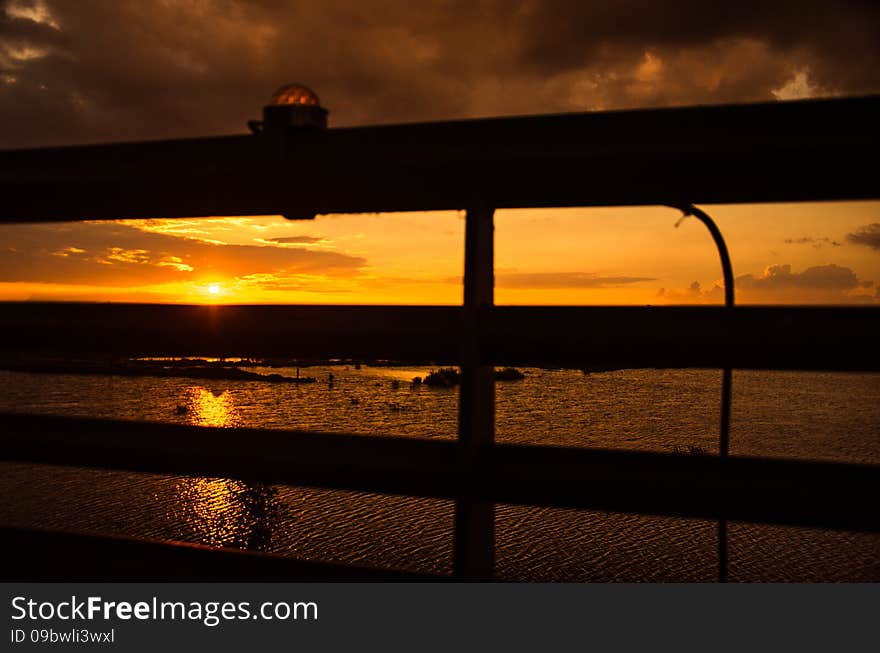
[789,253]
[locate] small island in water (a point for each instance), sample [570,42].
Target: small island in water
[448,377]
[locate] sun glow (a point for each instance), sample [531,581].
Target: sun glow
[211,293]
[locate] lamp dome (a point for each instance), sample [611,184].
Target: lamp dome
[294,94]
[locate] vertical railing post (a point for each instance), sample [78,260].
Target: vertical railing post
[474,547]
[723,448]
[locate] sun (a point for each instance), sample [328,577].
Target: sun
[214,289]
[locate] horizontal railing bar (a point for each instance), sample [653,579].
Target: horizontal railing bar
[736,488]
[38,555]
[782,151]
[347,462]
[827,338]
[746,337]
[789,492]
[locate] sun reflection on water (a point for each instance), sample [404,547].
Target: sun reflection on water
[207,408]
[222,512]
[227,512]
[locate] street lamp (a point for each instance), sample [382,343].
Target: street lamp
[291,106]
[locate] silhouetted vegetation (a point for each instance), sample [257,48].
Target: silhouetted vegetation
[447,377]
[509,374]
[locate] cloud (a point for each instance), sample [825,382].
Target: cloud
[561,280]
[208,230]
[818,243]
[176,263]
[693,294]
[69,251]
[868,235]
[821,284]
[298,283]
[820,277]
[125,69]
[114,254]
[299,240]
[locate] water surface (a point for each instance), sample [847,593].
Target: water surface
[821,416]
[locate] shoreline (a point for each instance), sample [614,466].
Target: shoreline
[207,371]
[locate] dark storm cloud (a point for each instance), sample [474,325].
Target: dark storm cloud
[19,32]
[123,255]
[129,69]
[868,235]
[836,40]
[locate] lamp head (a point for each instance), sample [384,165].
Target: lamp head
[294,106]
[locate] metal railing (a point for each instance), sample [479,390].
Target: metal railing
[800,151]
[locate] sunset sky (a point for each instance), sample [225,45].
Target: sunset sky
[93,71]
